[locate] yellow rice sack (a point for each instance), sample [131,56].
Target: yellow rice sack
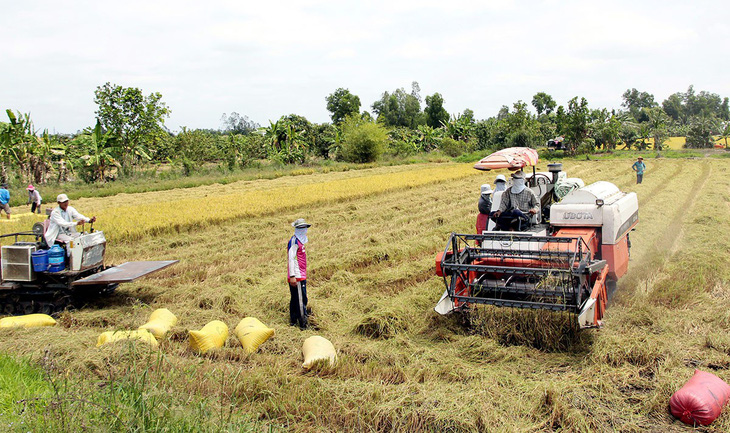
[316,348]
[213,335]
[252,333]
[27,321]
[109,337]
[160,323]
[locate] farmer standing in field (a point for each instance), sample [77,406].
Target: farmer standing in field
[639,168]
[297,274]
[34,199]
[5,200]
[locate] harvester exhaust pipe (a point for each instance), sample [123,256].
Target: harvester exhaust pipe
[555,169]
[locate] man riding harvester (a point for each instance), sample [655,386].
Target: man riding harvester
[552,243]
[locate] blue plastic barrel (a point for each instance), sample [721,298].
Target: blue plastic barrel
[40,260]
[56,259]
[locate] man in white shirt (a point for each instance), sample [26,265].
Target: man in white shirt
[63,222]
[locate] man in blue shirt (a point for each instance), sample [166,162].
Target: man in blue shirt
[639,168]
[4,199]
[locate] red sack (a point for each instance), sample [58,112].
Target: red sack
[701,399]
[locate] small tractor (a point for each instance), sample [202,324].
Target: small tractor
[27,289]
[568,259]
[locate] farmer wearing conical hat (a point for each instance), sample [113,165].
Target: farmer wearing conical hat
[34,199]
[297,274]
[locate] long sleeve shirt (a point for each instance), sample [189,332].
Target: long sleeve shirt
[297,267]
[523,201]
[485,204]
[34,197]
[63,222]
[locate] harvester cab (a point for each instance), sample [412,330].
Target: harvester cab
[567,259]
[39,279]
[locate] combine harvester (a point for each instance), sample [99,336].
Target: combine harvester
[29,285]
[568,259]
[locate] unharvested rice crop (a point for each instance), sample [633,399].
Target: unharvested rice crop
[372,287]
[199,207]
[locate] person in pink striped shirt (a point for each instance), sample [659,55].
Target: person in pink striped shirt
[297,274]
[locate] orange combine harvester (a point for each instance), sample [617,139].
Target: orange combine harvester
[568,257]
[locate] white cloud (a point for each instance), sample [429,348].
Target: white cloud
[266,59]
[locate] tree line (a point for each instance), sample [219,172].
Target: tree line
[130,133]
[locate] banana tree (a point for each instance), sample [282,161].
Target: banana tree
[274,135]
[725,132]
[12,137]
[658,121]
[293,149]
[284,142]
[429,137]
[99,150]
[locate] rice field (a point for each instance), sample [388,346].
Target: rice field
[372,290]
[677,143]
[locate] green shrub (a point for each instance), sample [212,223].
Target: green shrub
[586,147]
[549,155]
[363,141]
[452,148]
[400,148]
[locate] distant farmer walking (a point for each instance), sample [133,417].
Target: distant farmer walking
[639,167]
[297,274]
[34,199]
[5,200]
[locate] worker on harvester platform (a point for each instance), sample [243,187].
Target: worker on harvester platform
[500,183]
[518,203]
[485,207]
[297,274]
[63,222]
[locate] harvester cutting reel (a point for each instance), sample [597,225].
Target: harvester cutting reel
[522,271]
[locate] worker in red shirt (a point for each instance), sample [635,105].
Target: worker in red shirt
[297,274]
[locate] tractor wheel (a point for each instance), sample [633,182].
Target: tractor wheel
[26,307]
[46,308]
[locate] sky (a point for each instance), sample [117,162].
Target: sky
[272,58]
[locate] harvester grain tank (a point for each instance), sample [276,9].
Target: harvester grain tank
[568,258]
[31,284]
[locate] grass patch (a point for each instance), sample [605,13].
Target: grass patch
[129,394]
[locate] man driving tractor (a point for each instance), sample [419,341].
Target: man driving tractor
[63,222]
